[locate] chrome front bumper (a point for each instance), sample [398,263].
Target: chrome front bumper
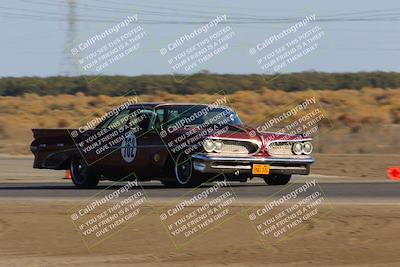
[212,163]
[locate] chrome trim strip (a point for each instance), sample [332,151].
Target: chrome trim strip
[292,140]
[295,160]
[235,167]
[286,168]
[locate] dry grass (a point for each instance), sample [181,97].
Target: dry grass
[364,121]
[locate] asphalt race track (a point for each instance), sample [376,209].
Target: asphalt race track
[19,180]
[349,191]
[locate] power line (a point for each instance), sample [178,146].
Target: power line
[181,16]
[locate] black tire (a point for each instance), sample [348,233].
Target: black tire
[81,175]
[277,179]
[182,173]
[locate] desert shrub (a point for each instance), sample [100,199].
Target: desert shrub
[203,82]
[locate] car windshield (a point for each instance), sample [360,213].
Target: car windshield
[186,116]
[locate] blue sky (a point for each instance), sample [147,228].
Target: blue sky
[358,35]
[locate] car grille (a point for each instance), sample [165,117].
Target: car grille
[280,148]
[238,147]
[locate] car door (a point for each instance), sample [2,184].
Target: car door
[151,152]
[115,161]
[137,152]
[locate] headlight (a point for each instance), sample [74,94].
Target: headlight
[297,148]
[208,145]
[218,145]
[307,148]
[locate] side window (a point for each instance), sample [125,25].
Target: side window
[173,115]
[159,120]
[117,121]
[141,119]
[160,115]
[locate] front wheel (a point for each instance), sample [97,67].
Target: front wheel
[277,179]
[183,172]
[81,175]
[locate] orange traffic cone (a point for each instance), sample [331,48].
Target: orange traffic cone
[68,174]
[393,173]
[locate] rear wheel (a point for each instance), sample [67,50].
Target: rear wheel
[81,175]
[277,179]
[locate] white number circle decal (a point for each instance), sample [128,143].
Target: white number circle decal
[128,147]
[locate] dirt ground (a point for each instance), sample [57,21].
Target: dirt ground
[41,233]
[354,165]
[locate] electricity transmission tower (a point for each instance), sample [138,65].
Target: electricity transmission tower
[68,65]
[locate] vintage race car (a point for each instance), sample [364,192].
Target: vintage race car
[182,145]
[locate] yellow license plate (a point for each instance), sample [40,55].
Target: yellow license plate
[260,169]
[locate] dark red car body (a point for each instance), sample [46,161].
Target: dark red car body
[152,153]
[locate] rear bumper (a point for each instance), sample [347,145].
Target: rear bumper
[211,163]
